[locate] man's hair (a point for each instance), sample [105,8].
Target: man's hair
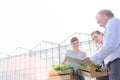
[106,12]
[74,39]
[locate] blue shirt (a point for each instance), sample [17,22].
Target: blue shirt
[79,55]
[111,43]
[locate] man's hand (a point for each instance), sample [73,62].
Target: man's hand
[87,60]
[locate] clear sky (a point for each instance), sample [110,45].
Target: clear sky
[26,23]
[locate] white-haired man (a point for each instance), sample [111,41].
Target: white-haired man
[110,51]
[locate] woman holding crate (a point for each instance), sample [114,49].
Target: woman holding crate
[97,36]
[75,53]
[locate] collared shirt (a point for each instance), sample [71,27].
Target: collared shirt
[111,43]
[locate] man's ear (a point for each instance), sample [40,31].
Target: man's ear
[104,16]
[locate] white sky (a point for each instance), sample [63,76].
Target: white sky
[26,23]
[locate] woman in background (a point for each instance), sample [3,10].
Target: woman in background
[97,36]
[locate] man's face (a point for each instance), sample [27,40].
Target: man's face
[102,20]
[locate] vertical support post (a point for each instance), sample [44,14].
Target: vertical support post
[59,53]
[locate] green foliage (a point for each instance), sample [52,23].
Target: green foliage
[95,65]
[83,65]
[92,65]
[62,67]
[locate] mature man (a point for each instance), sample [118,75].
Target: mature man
[110,51]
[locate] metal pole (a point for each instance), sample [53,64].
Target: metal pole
[59,53]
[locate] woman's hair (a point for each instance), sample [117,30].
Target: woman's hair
[98,32]
[74,39]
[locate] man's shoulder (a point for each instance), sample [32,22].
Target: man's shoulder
[114,20]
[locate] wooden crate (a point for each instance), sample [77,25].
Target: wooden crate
[91,72]
[61,75]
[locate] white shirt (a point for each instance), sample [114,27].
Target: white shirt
[111,43]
